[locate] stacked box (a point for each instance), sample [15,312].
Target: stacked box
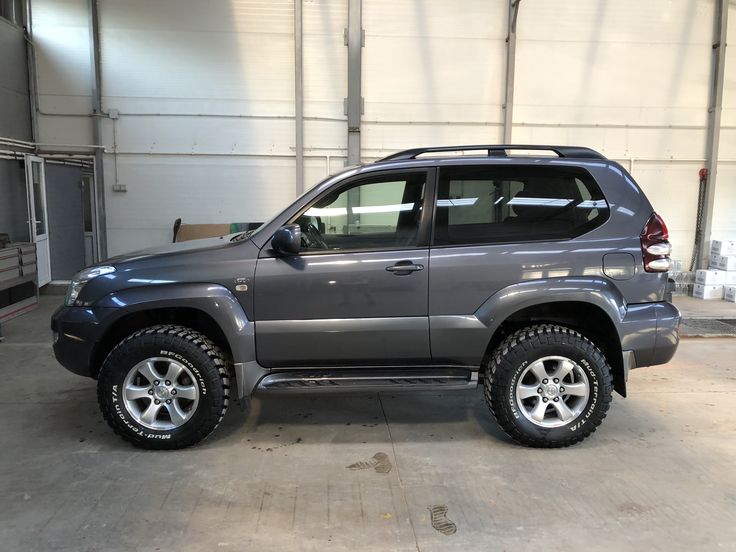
[722,266]
[723,262]
[710,277]
[730,294]
[702,291]
[719,247]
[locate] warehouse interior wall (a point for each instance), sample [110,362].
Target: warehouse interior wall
[724,222]
[199,97]
[15,112]
[15,124]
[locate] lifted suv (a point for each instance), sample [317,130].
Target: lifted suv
[540,277]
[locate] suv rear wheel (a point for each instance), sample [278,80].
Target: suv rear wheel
[164,387]
[548,386]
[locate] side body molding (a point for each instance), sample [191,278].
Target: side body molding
[213,299]
[464,338]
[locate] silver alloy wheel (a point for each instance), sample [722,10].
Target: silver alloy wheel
[160,393]
[552,391]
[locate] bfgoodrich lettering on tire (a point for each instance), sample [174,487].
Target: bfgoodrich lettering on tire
[164,387]
[548,386]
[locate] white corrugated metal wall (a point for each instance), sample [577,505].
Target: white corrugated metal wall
[205,93]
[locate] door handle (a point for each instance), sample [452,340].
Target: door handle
[402,268]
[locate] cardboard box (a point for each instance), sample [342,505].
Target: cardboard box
[197,231]
[710,277]
[730,294]
[707,292]
[721,247]
[723,262]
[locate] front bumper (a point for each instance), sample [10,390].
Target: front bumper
[77,331]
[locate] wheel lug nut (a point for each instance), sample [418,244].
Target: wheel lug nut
[168,382]
[545,399]
[562,389]
[157,401]
[556,399]
[545,380]
[156,382]
[556,380]
[150,391]
[173,391]
[168,401]
[539,390]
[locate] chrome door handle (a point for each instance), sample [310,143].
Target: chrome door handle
[405,267]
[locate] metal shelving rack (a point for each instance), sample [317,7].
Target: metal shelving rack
[17,267]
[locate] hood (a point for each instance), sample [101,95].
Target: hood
[174,248]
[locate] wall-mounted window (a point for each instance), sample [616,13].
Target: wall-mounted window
[12,10]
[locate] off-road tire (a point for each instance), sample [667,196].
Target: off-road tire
[203,358]
[507,363]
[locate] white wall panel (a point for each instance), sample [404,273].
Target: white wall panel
[627,78]
[724,212]
[61,38]
[672,188]
[325,59]
[205,93]
[214,189]
[431,62]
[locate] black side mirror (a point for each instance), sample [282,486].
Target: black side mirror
[287,240]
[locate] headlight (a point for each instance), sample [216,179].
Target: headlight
[82,278]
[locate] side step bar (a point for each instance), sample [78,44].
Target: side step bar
[366,379]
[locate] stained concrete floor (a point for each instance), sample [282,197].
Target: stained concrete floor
[659,474]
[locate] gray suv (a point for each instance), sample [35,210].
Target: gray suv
[540,276]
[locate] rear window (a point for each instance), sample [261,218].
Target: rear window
[492,204]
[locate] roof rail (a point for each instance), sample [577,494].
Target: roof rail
[498,150]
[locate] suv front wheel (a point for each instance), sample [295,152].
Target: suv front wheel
[548,386]
[164,387]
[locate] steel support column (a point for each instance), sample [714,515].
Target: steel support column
[299,96]
[97,114]
[508,104]
[354,102]
[714,126]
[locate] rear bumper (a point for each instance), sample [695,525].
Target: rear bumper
[76,332]
[650,334]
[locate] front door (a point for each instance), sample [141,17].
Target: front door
[357,292]
[37,217]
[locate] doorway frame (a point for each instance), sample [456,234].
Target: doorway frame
[41,268]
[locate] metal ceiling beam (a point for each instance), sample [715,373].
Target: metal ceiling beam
[299,95]
[714,126]
[354,101]
[508,104]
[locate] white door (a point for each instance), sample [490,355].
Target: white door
[37,217]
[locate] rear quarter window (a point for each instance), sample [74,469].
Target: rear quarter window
[492,204]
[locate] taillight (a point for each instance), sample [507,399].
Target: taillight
[654,245]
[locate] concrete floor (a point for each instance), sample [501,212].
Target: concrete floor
[692,307]
[659,473]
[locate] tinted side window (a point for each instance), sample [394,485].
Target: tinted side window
[377,213]
[491,204]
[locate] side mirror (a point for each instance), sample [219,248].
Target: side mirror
[287,240]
